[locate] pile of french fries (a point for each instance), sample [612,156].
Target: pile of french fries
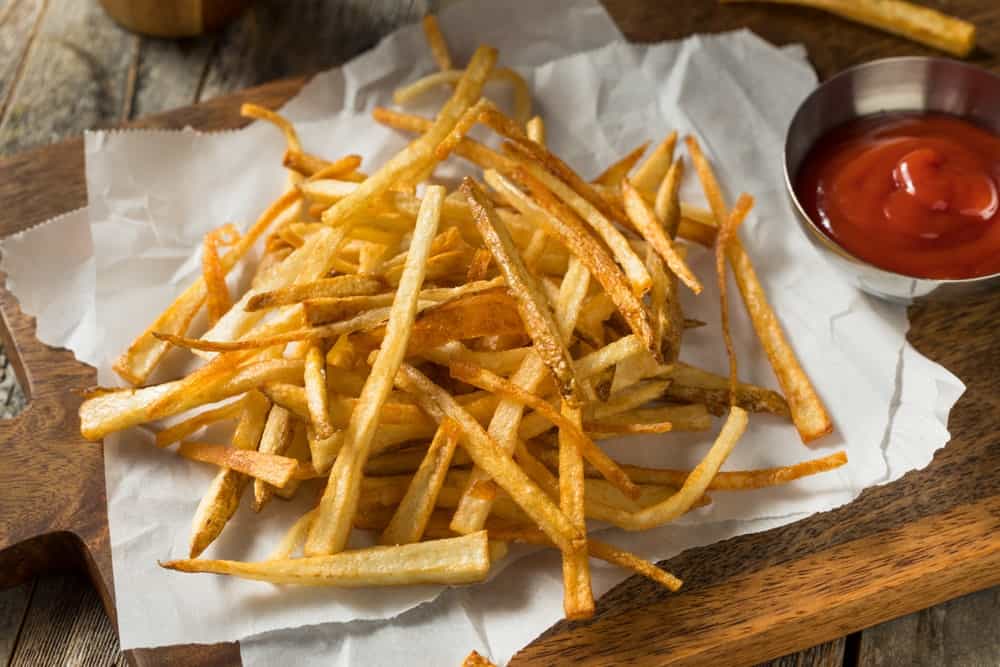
[444,362]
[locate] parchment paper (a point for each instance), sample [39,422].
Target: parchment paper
[96,278]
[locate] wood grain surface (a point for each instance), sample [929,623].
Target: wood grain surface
[892,551]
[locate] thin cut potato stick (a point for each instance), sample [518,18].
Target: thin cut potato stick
[483,379]
[183,429]
[645,220]
[410,518]
[345,167]
[294,538]
[457,560]
[146,351]
[616,173]
[338,286]
[617,243]
[275,440]
[609,355]
[920,24]
[564,226]
[330,531]
[578,598]
[488,456]
[222,498]
[476,660]
[538,318]
[697,482]
[653,169]
[117,410]
[522,95]
[726,235]
[317,397]
[421,151]
[808,412]
[437,43]
[261,113]
[479,266]
[670,323]
[218,300]
[535,129]
[298,449]
[271,468]
[738,480]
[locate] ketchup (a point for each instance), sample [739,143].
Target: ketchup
[914,193]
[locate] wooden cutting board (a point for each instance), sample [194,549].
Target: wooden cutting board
[926,538]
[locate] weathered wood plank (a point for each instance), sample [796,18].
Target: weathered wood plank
[170,73]
[66,626]
[830,654]
[960,633]
[13,607]
[74,77]
[18,19]
[272,40]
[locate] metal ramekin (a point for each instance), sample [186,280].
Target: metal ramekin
[893,84]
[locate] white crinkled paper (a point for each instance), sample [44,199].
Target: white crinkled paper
[96,279]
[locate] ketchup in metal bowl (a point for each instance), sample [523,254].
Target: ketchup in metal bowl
[914,193]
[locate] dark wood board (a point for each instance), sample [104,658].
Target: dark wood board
[922,540]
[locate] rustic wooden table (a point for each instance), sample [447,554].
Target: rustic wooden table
[66,67]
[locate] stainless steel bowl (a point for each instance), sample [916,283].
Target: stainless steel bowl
[892,84]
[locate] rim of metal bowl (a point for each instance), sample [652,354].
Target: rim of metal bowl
[833,245]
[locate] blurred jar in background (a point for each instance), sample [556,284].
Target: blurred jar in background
[173,18]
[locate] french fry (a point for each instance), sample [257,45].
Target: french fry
[808,412]
[330,531]
[483,379]
[219,503]
[680,418]
[695,385]
[726,234]
[410,518]
[457,560]
[644,219]
[317,398]
[920,24]
[476,660]
[617,172]
[218,300]
[535,129]
[183,429]
[271,468]
[522,95]
[578,598]
[339,286]
[668,318]
[653,169]
[487,455]
[275,440]
[298,449]
[294,538]
[436,42]
[532,305]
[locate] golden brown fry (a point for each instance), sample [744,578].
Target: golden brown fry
[616,173]
[183,429]
[565,226]
[271,468]
[219,503]
[410,518]
[578,598]
[726,234]
[218,300]
[644,219]
[476,660]
[294,538]
[488,456]
[522,95]
[679,417]
[479,267]
[652,171]
[275,440]
[532,304]
[437,43]
[261,113]
[483,379]
[669,319]
[808,412]
[330,531]
[458,560]
[298,449]
[535,129]
[920,24]
[317,398]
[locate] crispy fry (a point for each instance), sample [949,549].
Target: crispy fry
[488,456]
[476,660]
[275,440]
[653,169]
[726,234]
[261,113]
[644,219]
[294,538]
[920,24]
[808,412]
[578,598]
[679,417]
[314,375]
[218,299]
[617,172]
[458,560]
[410,518]
[669,318]
[330,531]
[183,429]
[219,503]
[437,43]
[538,318]
[271,468]
[522,95]
[298,449]
[339,286]
[535,129]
